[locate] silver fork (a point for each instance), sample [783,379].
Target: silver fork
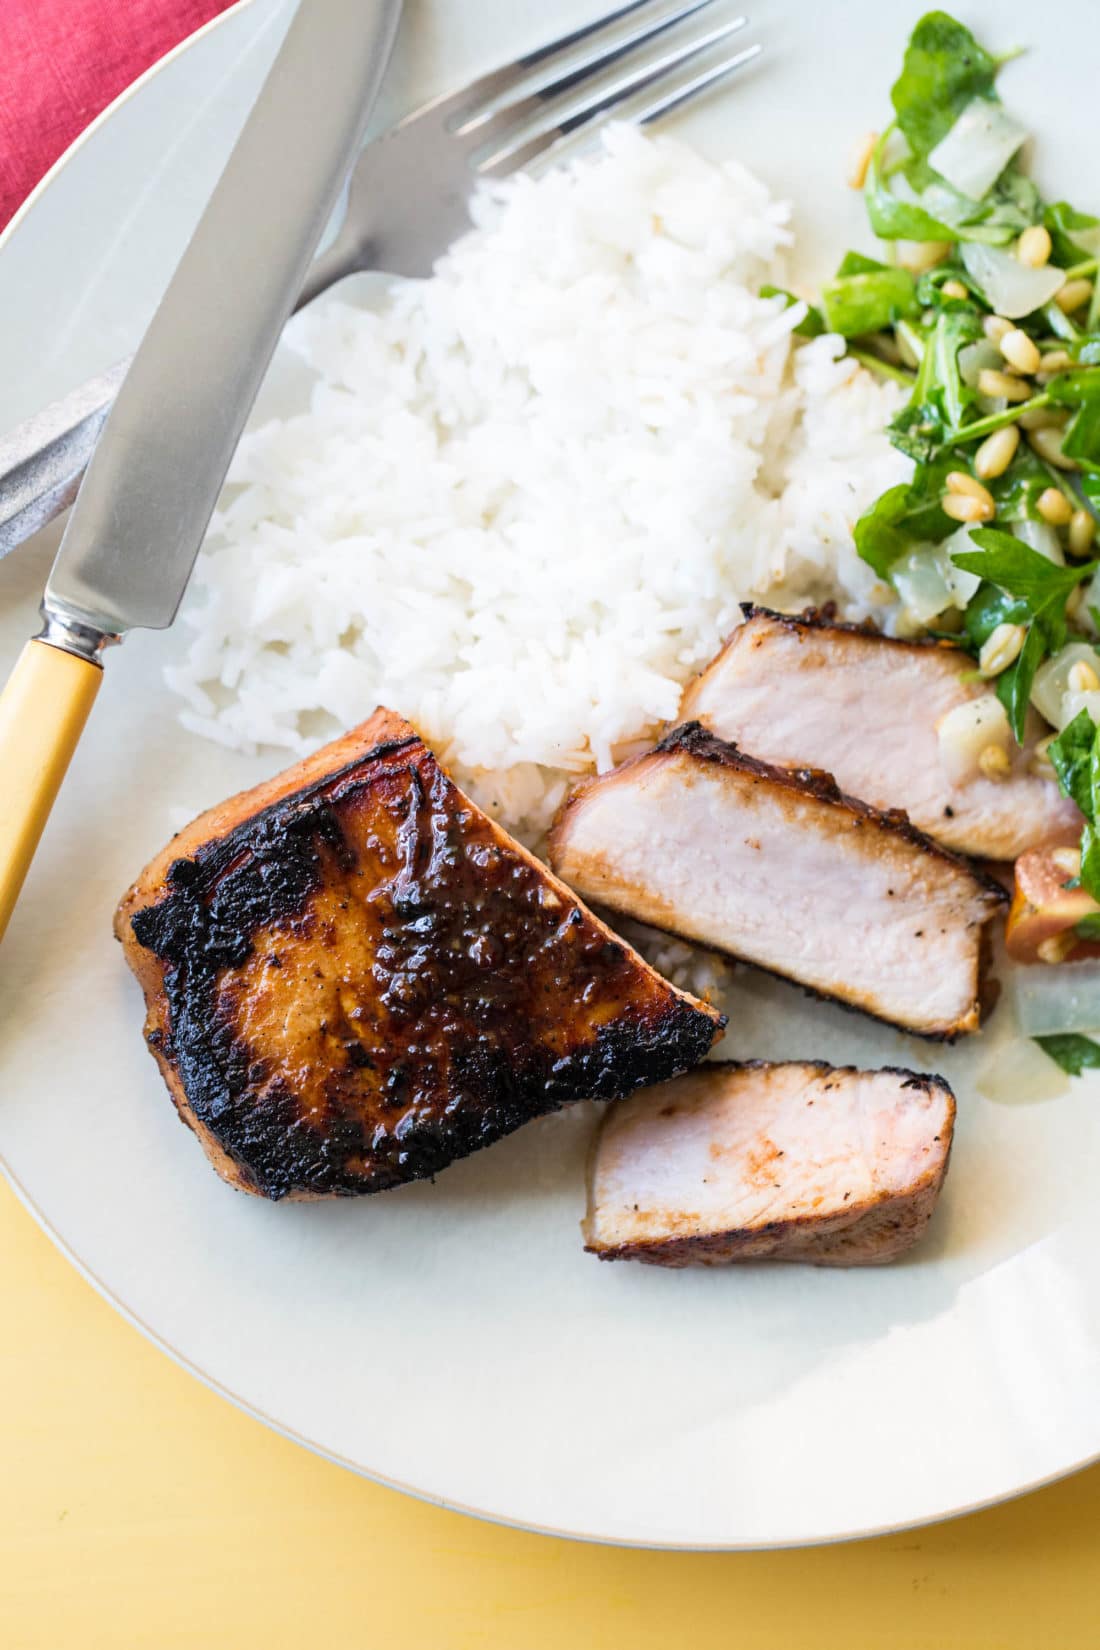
[408,195]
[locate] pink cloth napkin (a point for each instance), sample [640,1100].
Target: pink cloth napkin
[63,61]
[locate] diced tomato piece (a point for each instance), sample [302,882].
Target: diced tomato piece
[1045,909]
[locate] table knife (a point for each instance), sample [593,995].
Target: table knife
[150,490]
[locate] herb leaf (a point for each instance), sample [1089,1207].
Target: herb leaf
[944,69]
[1017,568]
[1063,221]
[1088,928]
[1071,756]
[1014,684]
[1044,588]
[906,515]
[1073,1053]
[868,300]
[811,325]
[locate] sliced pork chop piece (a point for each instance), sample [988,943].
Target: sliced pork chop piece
[807,692]
[352,976]
[781,870]
[799,1161]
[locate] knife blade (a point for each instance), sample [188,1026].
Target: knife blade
[150,490]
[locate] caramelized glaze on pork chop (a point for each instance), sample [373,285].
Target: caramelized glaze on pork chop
[353,976]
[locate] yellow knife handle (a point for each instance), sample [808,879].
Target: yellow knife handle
[43,709]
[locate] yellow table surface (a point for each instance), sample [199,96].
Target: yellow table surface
[138,1509]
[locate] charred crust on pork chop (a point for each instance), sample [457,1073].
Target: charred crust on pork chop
[441,986]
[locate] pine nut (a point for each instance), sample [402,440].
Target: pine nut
[1054,506]
[964,507]
[861,160]
[995,327]
[1081,678]
[960,481]
[1057,948]
[1034,246]
[1040,763]
[1056,361]
[1073,295]
[1048,444]
[996,452]
[1082,531]
[1001,648]
[954,289]
[994,762]
[922,255]
[999,386]
[1068,861]
[1020,351]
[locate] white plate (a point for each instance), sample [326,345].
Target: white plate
[453,1339]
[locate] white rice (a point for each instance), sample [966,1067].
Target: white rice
[529,493]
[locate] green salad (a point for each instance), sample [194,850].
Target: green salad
[985,305]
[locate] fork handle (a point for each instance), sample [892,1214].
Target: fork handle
[43,709]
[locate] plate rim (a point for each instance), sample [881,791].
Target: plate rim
[50,176]
[247,1406]
[484,1515]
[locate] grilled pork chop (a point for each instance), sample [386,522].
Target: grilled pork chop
[353,976]
[805,691]
[770,1162]
[780,869]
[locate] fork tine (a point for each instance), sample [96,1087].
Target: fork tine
[561,114]
[680,95]
[480,102]
[572,133]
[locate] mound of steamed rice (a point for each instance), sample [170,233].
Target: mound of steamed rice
[530,492]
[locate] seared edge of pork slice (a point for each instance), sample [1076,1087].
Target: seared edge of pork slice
[857,1228]
[803,784]
[276,841]
[768,688]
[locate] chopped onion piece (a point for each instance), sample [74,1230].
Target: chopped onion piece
[1011,288]
[1074,703]
[974,358]
[1051,684]
[978,147]
[965,731]
[1054,998]
[928,581]
[920,579]
[1040,535]
[962,584]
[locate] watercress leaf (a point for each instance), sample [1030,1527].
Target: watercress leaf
[1016,491]
[988,607]
[1090,861]
[1075,389]
[894,219]
[1071,757]
[1014,684]
[918,431]
[1089,927]
[858,263]
[1082,438]
[1072,1052]
[943,70]
[880,534]
[811,324]
[1064,223]
[868,301]
[1093,812]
